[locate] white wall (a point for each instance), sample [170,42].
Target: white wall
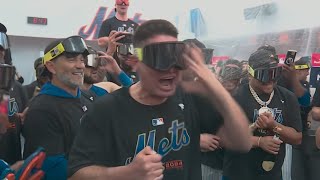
[66,17]
[25,50]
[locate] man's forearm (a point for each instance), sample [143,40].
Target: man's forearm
[102,173]
[315,113]
[298,89]
[289,135]
[235,130]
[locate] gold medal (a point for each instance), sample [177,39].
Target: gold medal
[267,165]
[265,110]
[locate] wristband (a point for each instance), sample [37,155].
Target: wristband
[124,79]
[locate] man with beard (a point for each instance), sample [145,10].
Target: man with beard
[123,53]
[34,87]
[230,75]
[275,117]
[53,118]
[151,130]
[92,87]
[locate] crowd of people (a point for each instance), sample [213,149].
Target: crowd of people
[150,107]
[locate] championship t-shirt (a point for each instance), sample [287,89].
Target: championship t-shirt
[117,128]
[115,24]
[286,111]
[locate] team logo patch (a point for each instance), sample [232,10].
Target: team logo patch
[84,108]
[157,122]
[181,106]
[176,164]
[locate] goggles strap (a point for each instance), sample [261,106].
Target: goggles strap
[303,66]
[54,52]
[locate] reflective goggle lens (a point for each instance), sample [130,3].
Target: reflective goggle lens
[125,49]
[266,75]
[72,47]
[162,56]
[4,41]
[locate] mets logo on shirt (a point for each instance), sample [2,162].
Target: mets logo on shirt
[157,122]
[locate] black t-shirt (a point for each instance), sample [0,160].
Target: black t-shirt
[30,88]
[115,24]
[286,110]
[10,146]
[118,127]
[316,97]
[214,159]
[52,122]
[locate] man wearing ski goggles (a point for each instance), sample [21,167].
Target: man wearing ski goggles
[58,104]
[173,113]
[265,75]
[71,46]
[163,55]
[273,112]
[97,63]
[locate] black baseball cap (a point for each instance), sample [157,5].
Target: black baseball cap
[262,59]
[303,63]
[270,48]
[37,62]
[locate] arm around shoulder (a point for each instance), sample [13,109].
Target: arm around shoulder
[315,113]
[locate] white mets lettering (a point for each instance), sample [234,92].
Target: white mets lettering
[165,145]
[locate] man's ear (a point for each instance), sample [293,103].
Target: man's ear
[51,67]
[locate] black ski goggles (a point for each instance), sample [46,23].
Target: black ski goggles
[73,45]
[162,56]
[92,60]
[4,44]
[125,49]
[7,73]
[266,74]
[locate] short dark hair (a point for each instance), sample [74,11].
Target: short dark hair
[152,28]
[233,61]
[196,42]
[50,46]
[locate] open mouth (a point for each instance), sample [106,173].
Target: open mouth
[78,73]
[167,81]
